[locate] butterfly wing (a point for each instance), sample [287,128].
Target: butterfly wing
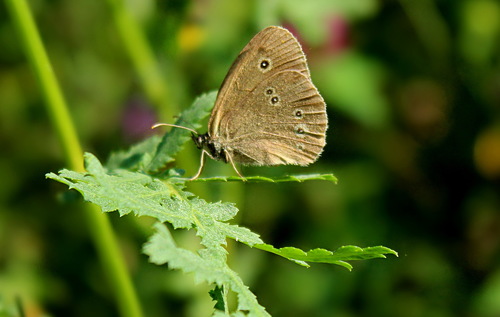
[282,121]
[268,111]
[273,45]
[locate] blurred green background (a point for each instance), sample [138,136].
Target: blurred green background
[413,95]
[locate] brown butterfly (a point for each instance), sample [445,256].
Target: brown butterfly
[268,111]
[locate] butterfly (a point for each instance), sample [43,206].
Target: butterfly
[267,111]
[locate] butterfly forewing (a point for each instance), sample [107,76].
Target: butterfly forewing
[272,50]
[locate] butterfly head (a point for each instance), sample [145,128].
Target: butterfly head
[206,143]
[200,140]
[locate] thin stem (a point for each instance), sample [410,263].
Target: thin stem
[99,226]
[143,59]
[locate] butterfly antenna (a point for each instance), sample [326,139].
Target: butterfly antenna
[174,126]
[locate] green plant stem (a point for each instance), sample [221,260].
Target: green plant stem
[43,70]
[143,59]
[100,228]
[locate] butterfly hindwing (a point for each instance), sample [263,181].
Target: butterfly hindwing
[282,121]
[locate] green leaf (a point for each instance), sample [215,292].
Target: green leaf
[173,141]
[135,158]
[134,191]
[339,256]
[205,265]
[262,179]
[217,294]
[155,152]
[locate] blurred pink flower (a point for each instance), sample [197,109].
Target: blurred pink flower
[337,36]
[138,117]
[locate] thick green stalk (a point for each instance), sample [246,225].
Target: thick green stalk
[99,226]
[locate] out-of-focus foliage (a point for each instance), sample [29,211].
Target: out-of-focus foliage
[413,94]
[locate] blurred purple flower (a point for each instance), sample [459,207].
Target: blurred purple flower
[337,36]
[137,119]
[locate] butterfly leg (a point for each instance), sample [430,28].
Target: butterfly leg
[202,163]
[235,169]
